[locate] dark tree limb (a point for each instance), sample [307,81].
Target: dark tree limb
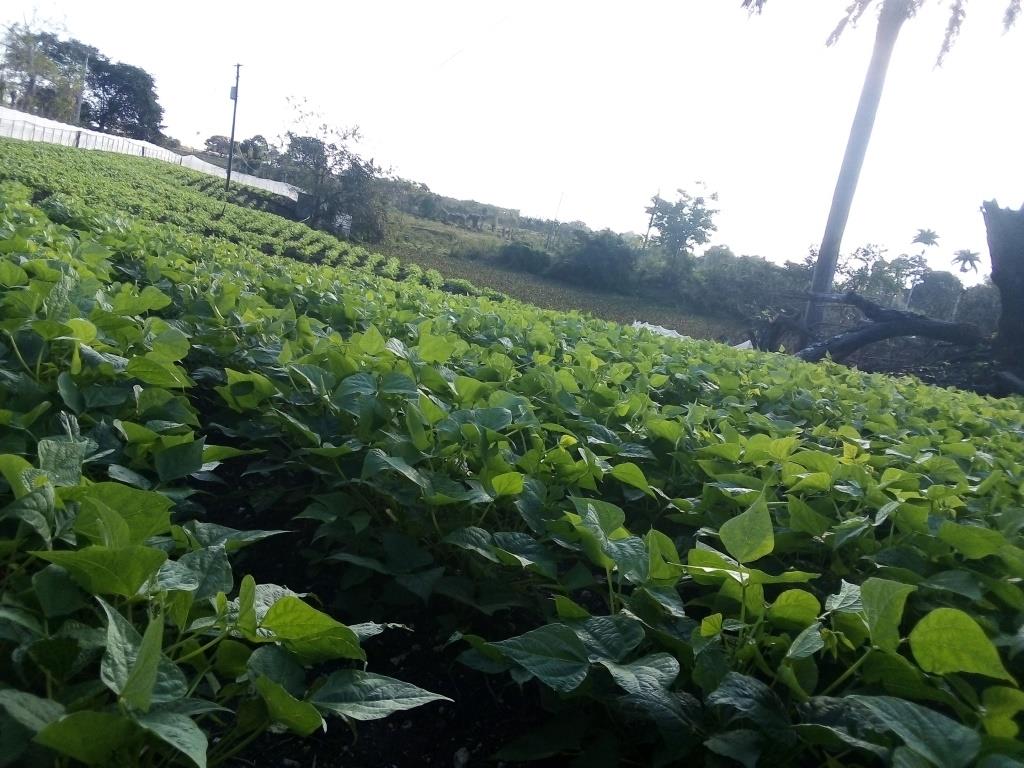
[886,324]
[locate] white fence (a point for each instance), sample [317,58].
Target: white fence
[19,125]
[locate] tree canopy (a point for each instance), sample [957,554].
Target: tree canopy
[74,82]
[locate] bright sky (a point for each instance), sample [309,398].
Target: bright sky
[602,104]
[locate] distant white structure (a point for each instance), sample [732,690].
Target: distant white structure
[659,330]
[26,127]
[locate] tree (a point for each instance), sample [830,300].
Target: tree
[218,145]
[684,224]
[891,17]
[121,99]
[337,180]
[254,152]
[1005,230]
[71,81]
[598,260]
[967,260]
[937,295]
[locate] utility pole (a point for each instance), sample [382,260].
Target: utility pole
[234,114]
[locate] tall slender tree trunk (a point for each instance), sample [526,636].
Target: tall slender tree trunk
[1005,228]
[890,21]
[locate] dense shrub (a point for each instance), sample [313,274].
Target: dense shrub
[524,258]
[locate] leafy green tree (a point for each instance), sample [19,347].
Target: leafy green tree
[122,99]
[937,295]
[218,145]
[683,224]
[891,17]
[600,260]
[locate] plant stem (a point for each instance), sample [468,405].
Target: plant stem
[846,675]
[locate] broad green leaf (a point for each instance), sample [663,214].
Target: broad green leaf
[846,600]
[972,541]
[883,602]
[1001,705]
[30,711]
[87,736]
[935,737]
[179,461]
[138,688]
[124,667]
[654,670]
[366,696]
[434,349]
[179,731]
[159,374]
[300,717]
[947,640]
[795,608]
[104,570]
[807,643]
[508,484]
[630,474]
[609,637]
[310,634]
[553,653]
[749,536]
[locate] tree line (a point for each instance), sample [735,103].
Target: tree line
[73,82]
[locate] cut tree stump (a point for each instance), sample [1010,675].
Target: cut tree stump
[1005,228]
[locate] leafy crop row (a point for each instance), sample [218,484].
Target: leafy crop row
[706,554]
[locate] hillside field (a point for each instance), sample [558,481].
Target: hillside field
[269,496]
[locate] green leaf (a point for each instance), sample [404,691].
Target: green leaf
[655,670]
[179,731]
[168,347]
[883,602]
[947,640]
[125,668]
[107,571]
[795,608]
[180,460]
[934,737]
[630,474]
[434,349]
[972,541]
[87,736]
[609,637]
[1001,705]
[508,484]
[365,696]
[300,717]
[749,536]
[807,643]
[138,688]
[158,373]
[740,744]
[147,513]
[208,566]
[310,634]
[30,711]
[553,653]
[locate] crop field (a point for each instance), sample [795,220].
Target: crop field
[685,554]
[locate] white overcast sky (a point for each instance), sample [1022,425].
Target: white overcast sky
[601,104]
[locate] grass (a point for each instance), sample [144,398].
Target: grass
[431,244]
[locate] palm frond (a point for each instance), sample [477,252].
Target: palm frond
[1012,12]
[957,13]
[754,6]
[853,13]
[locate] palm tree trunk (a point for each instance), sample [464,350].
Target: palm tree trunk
[890,21]
[1005,229]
